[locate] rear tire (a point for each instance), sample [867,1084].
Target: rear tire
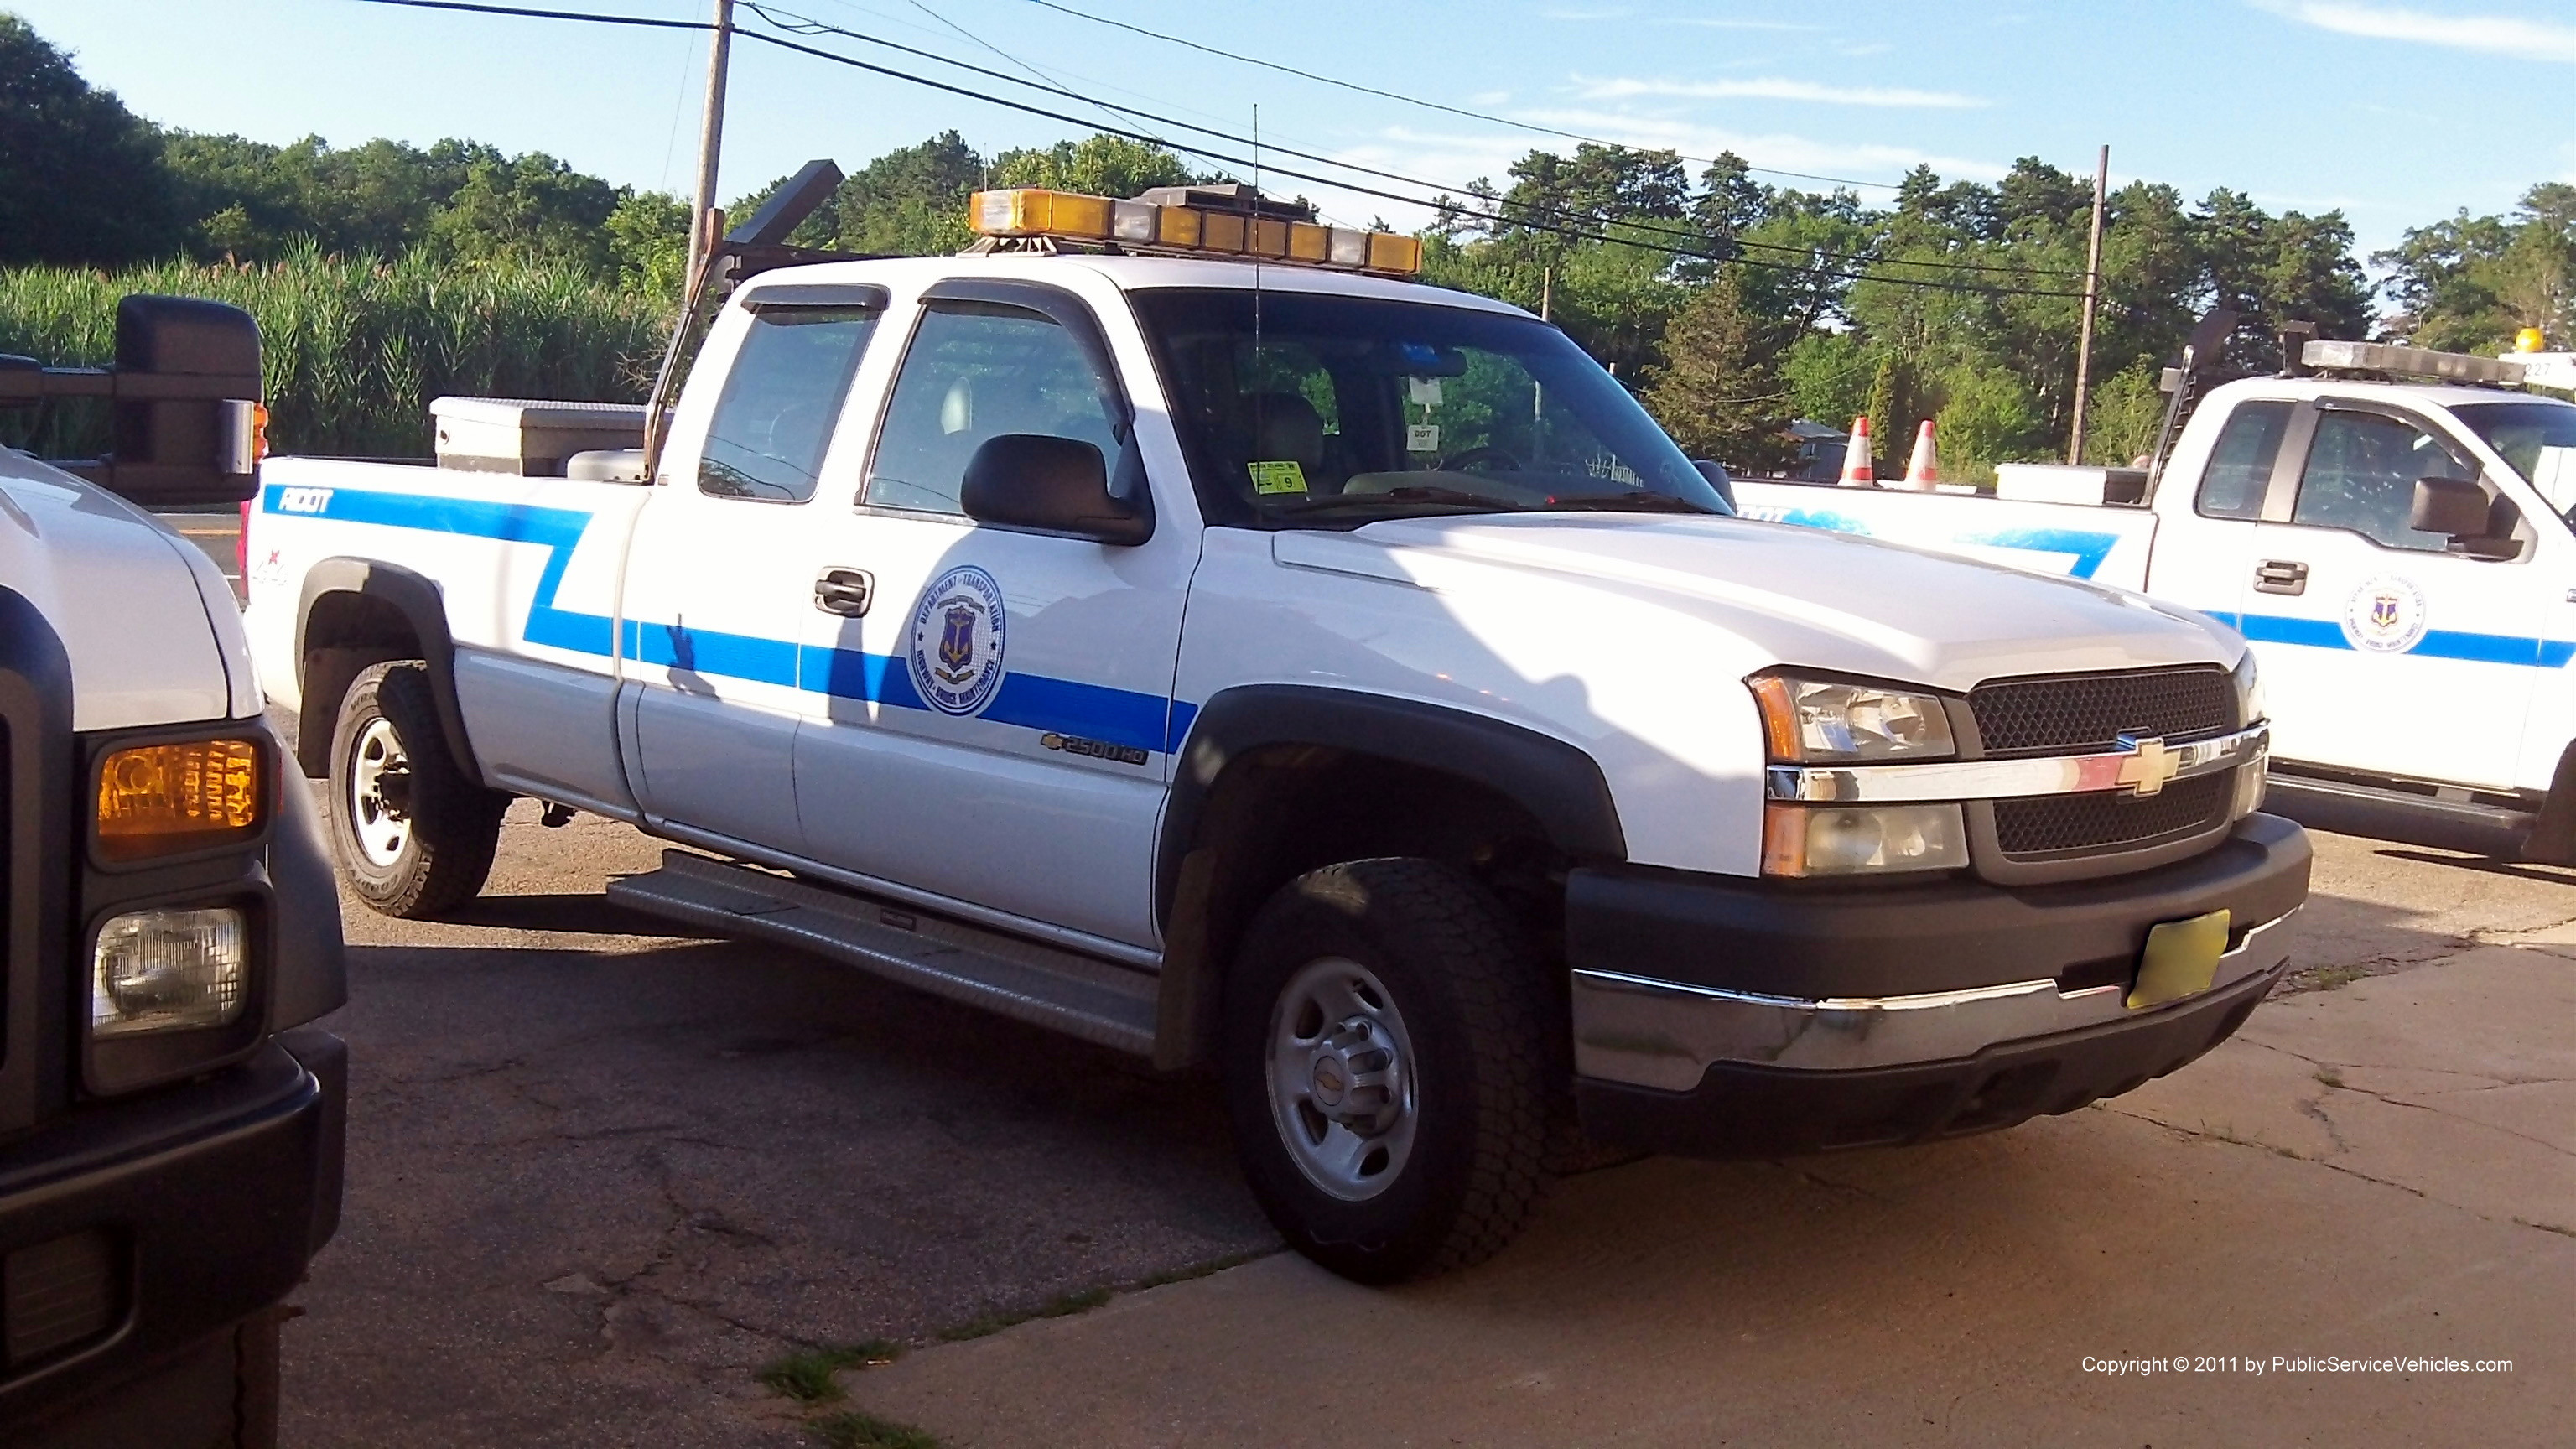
[414,834]
[1387,1063]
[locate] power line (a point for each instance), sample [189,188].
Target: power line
[1816,272]
[807,25]
[1416,100]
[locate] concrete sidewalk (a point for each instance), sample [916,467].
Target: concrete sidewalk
[2385,1169]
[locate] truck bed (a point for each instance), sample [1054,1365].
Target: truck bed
[2106,545]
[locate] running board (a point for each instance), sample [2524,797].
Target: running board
[1102,1003]
[2401,815]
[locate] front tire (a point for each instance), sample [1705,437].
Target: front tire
[1387,1058]
[414,834]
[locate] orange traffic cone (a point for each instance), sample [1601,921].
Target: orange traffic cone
[1923,471]
[1856,473]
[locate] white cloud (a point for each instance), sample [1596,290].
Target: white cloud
[2493,34]
[1774,88]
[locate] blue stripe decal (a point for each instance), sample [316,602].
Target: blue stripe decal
[2517,650]
[1031,701]
[2088,549]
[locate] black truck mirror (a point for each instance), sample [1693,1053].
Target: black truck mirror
[1051,485]
[187,428]
[2478,524]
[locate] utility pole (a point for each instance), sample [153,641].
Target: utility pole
[2092,295]
[710,136]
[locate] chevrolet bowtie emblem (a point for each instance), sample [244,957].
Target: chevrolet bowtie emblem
[2149,764]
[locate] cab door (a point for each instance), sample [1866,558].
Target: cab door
[2204,543]
[989,710]
[2382,651]
[715,598]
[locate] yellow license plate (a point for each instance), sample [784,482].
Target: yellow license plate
[2181,960]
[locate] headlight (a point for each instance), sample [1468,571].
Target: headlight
[1805,840]
[168,799]
[1808,721]
[168,970]
[2249,690]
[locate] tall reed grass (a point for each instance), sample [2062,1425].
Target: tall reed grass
[356,347]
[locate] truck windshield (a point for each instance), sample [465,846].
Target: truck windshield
[1300,407]
[2538,438]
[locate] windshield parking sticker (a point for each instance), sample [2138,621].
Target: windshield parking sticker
[957,640]
[2386,615]
[1279,476]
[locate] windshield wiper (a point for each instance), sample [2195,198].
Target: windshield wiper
[1637,501]
[1458,497]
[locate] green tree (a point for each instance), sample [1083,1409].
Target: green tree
[1715,391]
[1095,165]
[530,207]
[81,179]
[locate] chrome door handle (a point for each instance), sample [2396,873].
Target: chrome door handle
[2280,576]
[846,592]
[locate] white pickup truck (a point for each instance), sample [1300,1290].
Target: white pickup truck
[2390,527]
[1297,669]
[170,1121]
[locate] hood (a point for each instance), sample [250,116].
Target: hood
[1805,597]
[127,596]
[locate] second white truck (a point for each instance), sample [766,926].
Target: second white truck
[2389,527]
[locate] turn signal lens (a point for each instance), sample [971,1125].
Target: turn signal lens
[168,798]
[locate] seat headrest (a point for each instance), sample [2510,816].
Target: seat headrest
[1286,429]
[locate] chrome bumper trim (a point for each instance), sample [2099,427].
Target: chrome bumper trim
[1666,1035]
[2006,779]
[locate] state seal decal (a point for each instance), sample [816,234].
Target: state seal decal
[2385,615]
[958,635]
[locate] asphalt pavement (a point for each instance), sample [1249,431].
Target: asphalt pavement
[602,1170]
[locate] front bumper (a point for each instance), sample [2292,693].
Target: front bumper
[133,1234]
[1732,1019]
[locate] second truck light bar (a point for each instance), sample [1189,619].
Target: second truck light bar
[1196,221]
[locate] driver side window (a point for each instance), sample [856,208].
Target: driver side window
[2361,473]
[977,371]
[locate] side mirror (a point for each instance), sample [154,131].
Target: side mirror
[187,428]
[2477,525]
[2452,506]
[1052,485]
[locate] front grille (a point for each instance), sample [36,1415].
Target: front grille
[2073,713]
[2050,827]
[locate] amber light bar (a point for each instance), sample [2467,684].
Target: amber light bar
[164,799]
[1029,211]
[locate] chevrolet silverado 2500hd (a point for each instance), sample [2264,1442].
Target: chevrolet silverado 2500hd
[2389,527]
[1284,665]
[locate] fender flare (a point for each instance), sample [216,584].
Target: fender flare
[1556,782]
[423,607]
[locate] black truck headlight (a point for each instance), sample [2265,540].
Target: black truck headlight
[1812,721]
[169,970]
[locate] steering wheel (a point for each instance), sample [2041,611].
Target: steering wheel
[1457,462]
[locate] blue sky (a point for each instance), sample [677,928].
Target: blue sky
[2397,112]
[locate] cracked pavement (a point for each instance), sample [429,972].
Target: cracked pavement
[602,1168]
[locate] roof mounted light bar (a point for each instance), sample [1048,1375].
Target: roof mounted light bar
[1198,221]
[2423,362]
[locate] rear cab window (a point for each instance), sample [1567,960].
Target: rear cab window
[2240,466]
[782,396]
